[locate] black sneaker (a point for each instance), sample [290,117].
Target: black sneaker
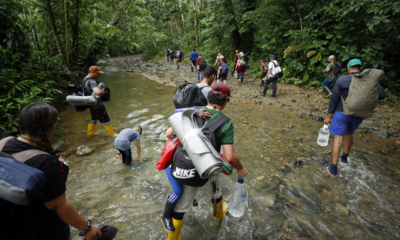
[344,162]
[263,94]
[331,172]
[273,96]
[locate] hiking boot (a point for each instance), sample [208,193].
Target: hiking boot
[238,81]
[331,171]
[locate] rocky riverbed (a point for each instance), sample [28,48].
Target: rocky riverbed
[307,103]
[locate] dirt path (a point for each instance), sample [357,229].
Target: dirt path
[308,103]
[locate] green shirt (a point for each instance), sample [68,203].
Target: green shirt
[225,133]
[331,66]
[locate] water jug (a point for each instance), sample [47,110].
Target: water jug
[238,203]
[323,136]
[102,87]
[235,75]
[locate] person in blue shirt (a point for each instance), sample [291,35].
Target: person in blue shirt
[343,126]
[193,59]
[123,144]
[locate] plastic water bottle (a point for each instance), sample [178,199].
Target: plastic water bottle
[238,203]
[102,87]
[323,136]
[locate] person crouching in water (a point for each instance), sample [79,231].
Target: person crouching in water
[98,111]
[218,99]
[123,144]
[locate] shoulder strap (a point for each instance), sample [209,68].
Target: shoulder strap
[274,63]
[28,154]
[218,122]
[3,142]
[24,155]
[203,87]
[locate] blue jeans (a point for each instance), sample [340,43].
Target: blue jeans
[200,73]
[329,82]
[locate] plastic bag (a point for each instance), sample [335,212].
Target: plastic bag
[167,153]
[188,95]
[227,168]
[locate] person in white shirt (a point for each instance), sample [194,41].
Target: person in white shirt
[270,77]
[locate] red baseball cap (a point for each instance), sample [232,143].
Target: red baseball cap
[224,89]
[94,69]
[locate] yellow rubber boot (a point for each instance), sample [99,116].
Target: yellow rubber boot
[90,130]
[222,209]
[110,130]
[177,225]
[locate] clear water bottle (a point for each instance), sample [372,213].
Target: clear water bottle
[102,87]
[323,136]
[238,203]
[235,75]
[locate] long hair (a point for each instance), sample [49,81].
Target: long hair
[35,119]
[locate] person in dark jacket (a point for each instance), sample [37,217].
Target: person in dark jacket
[344,126]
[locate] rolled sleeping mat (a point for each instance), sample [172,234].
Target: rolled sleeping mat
[82,100]
[198,147]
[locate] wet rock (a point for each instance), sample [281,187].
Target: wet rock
[368,124]
[245,122]
[318,187]
[298,163]
[59,146]
[302,115]
[151,190]
[290,125]
[268,201]
[299,139]
[84,150]
[319,119]
[306,167]
[315,109]
[285,169]
[365,140]
[383,133]
[293,100]
[340,209]
[312,203]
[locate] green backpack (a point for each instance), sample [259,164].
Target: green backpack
[363,93]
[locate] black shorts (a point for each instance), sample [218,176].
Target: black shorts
[126,156]
[100,114]
[223,76]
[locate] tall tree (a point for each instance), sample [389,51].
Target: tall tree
[54,28]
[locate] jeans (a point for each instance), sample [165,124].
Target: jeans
[329,82]
[200,73]
[274,81]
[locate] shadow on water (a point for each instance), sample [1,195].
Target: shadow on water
[291,196]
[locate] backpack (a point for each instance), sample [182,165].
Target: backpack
[246,58]
[178,54]
[224,68]
[244,64]
[363,93]
[337,69]
[277,71]
[80,97]
[189,95]
[202,64]
[183,169]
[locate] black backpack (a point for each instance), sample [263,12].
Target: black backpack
[202,64]
[189,95]
[337,69]
[183,169]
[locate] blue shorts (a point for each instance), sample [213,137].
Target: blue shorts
[342,123]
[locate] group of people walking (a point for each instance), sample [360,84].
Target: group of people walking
[50,216]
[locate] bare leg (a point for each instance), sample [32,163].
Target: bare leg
[348,141]
[337,143]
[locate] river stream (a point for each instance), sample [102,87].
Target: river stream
[291,196]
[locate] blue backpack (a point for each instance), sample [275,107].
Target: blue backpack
[224,68]
[20,183]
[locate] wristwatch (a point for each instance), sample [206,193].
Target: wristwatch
[88,228]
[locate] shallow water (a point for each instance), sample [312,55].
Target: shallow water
[291,195]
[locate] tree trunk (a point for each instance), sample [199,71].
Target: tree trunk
[75,31]
[66,32]
[183,22]
[195,24]
[117,16]
[298,13]
[34,32]
[53,26]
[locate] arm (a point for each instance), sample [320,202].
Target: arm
[169,132]
[98,91]
[70,215]
[266,75]
[138,151]
[333,102]
[230,154]
[382,93]
[216,61]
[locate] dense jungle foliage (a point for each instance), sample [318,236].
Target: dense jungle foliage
[43,43]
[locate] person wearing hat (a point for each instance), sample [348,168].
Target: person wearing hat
[343,126]
[270,78]
[218,99]
[98,112]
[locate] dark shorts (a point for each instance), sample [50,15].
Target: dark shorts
[126,156]
[194,62]
[341,123]
[100,114]
[223,76]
